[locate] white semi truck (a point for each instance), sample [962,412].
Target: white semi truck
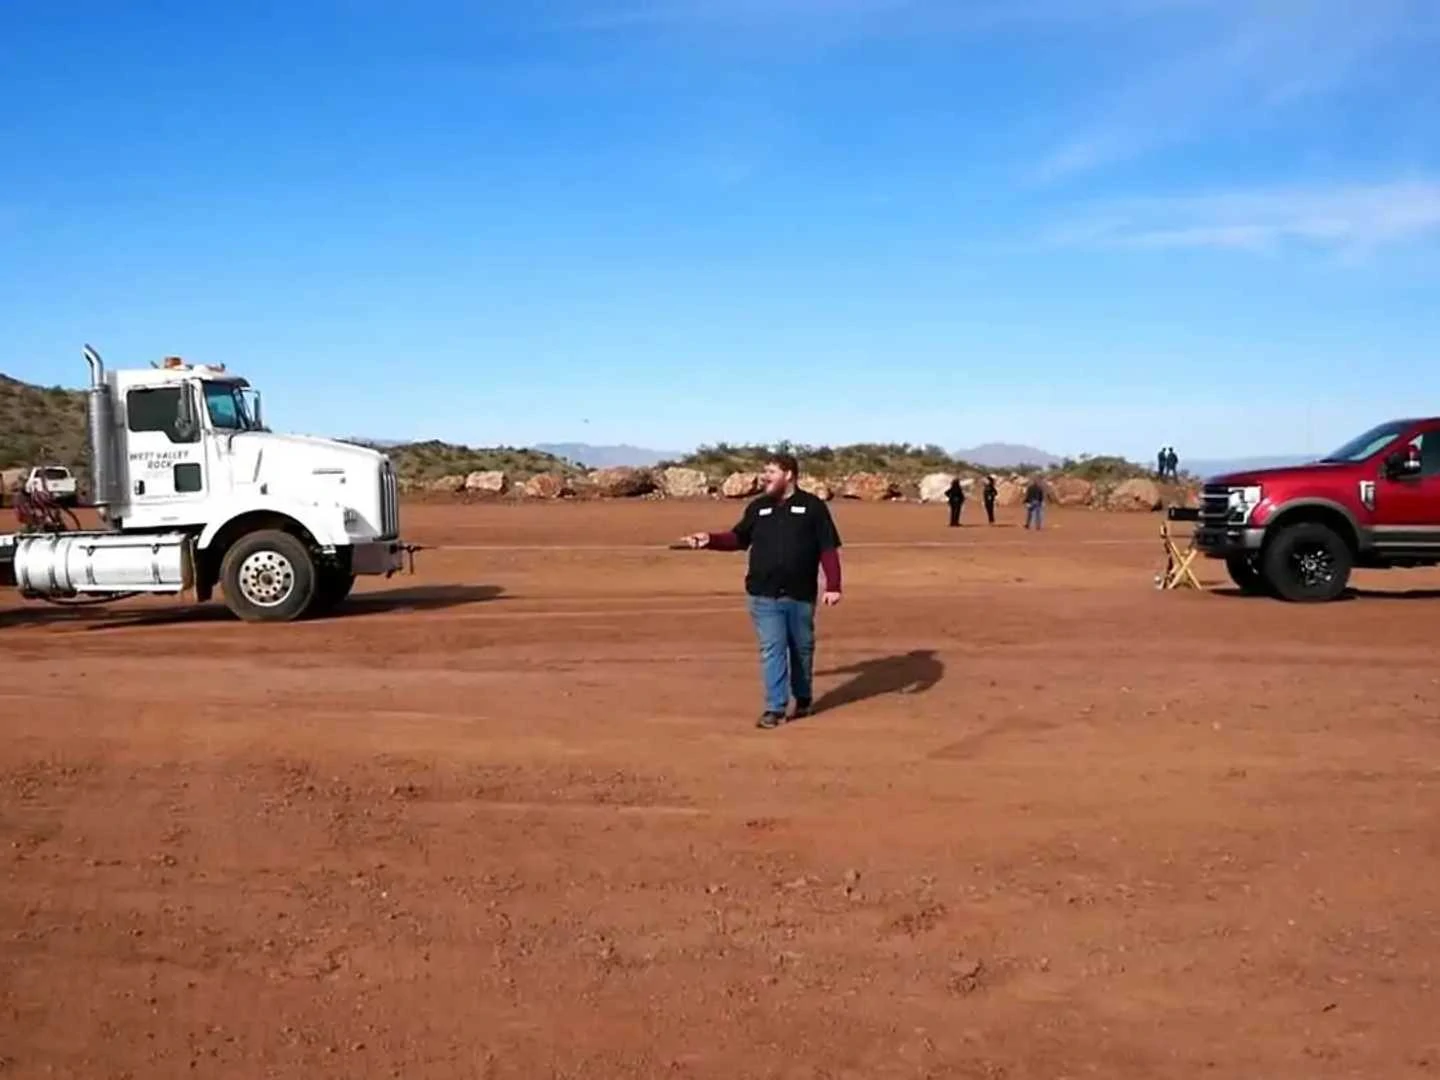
[194,492]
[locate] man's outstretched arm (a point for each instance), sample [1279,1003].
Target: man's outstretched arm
[736,539]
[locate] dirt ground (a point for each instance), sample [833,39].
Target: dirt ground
[511,819]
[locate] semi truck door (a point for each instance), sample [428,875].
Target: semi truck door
[1407,508]
[164,455]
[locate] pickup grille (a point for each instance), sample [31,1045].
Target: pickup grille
[389,503]
[1215,506]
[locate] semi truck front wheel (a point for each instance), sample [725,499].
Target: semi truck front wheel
[332,586]
[268,576]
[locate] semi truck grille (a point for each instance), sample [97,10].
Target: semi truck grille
[389,503]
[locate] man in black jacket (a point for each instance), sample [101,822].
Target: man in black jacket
[791,537]
[955,496]
[988,495]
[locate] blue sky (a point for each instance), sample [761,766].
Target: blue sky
[1089,225]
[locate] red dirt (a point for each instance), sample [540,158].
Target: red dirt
[511,819]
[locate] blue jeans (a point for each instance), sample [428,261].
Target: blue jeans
[786,629]
[1034,515]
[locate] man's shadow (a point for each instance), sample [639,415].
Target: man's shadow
[906,673]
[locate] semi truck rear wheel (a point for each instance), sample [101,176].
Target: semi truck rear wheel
[1307,563]
[268,576]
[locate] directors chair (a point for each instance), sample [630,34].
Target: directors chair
[1179,571]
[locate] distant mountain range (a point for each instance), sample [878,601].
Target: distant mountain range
[997,455]
[608,457]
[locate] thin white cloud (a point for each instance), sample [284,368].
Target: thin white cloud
[1352,219]
[1252,60]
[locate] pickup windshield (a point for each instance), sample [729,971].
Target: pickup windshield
[228,408]
[1369,444]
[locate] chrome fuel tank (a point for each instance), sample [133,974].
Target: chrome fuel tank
[67,564]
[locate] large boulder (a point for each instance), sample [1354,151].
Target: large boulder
[934,488]
[741,485]
[622,482]
[1135,495]
[869,487]
[1010,492]
[1180,494]
[11,479]
[684,484]
[448,485]
[545,486]
[1071,491]
[817,487]
[489,483]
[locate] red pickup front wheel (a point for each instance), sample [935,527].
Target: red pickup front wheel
[1307,563]
[1246,574]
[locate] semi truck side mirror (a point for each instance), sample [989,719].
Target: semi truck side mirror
[186,426]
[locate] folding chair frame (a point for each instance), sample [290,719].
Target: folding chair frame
[1179,572]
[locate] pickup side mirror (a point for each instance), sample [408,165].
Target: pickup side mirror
[1403,464]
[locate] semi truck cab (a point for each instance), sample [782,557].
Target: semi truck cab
[1298,532]
[196,492]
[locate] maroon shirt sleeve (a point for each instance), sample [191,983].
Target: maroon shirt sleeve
[724,541]
[830,564]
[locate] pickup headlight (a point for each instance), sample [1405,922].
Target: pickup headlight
[1243,501]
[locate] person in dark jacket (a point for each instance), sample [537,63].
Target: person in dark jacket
[792,540]
[1035,504]
[989,494]
[955,496]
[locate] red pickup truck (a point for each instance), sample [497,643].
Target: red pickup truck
[1296,533]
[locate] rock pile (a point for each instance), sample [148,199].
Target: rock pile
[545,486]
[935,487]
[493,484]
[869,487]
[684,484]
[1136,495]
[622,483]
[741,485]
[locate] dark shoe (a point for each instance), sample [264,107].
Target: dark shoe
[802,710]
[770,720]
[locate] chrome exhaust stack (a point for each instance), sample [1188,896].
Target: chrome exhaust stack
[100,424]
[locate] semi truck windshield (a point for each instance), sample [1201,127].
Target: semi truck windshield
[227,407]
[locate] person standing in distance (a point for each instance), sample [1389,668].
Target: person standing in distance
[1035,504]
[955,496]
[791,538]
[990,493]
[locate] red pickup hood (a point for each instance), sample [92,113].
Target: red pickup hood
[1318,470]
